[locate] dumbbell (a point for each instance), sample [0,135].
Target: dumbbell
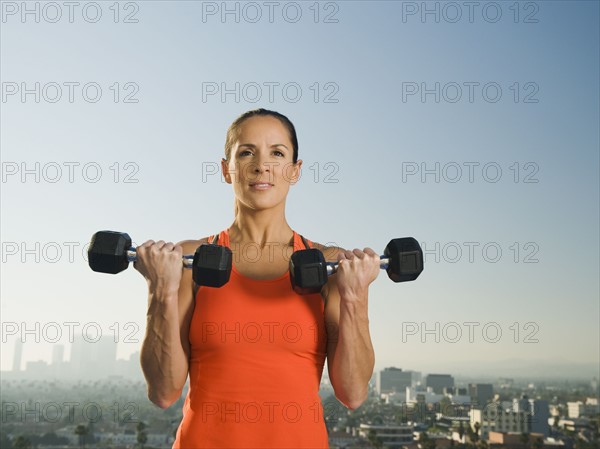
[111,252]
[402,259]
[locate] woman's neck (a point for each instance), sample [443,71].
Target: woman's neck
[260,227]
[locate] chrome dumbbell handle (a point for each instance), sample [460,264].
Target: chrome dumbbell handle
[187,259]
[332,267]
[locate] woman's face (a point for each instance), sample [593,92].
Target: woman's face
[260,167]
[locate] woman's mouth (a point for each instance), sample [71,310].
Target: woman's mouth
[261,185]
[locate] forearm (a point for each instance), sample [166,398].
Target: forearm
[352,366]
[164,361]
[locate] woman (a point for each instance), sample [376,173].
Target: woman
[254,349]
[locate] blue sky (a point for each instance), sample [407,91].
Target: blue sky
[361,136]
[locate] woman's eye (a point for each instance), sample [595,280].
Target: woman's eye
[244,152]
[278,153]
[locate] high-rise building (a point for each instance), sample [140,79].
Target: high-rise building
[394,380]
[536,412]
[439,381]
[481,394]
[391,436]
[539,410]
[575,409]
[57,366]
[58,352]
[37,370]
[18,354]
[93,359]
[493,418]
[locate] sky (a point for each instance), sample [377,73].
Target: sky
[471,127]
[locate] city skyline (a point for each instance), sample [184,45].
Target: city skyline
[475,133]
[498,369]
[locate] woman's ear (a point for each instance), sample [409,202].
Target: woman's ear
[294,172]
[225,171]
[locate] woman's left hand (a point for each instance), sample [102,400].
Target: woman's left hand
[356,270]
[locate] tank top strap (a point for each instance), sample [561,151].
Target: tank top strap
[300,242]
[222,238]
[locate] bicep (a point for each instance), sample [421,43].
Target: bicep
[331,298]
[186,310]
[186,295]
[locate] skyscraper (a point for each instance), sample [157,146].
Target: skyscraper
[481,394]
[439,381]
[58,352]
[93,359]
[18,354]
[537,412]
[395,380]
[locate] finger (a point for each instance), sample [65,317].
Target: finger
[349,255]
[169,246]
[370,252]
[358,253]
[146,244]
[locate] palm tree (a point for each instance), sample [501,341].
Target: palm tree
[538,443]
[374,439]
[474,436]
[423,439]
[81,431]
[142,437]
[426,442]
[461,431]
[22,443]
[525,439]
[471,435]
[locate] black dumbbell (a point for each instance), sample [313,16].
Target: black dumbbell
[402,259]
[111,252]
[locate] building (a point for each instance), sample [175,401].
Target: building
[419,395]
[341,439]
[394,380]
[58,352]
[56,367]
[37,370]
[18,355]
[538,412]
[591,406]
[493,418]
[458,396]
[511,439]
[481,394]
[451,424]
[390,436]
[439,381]
[575,409]
[525,416]
[575,424]
[93,359]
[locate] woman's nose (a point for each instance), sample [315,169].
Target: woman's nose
[261,166]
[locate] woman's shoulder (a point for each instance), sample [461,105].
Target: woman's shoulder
[330,251]
[189,246]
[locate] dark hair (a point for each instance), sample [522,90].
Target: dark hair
[234,128]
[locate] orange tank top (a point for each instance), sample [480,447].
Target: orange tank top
[257,355]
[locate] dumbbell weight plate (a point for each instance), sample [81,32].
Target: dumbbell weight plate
[406,259]
[108,252]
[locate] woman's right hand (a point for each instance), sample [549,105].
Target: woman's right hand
[161,265]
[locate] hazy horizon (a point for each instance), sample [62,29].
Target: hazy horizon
[474,131]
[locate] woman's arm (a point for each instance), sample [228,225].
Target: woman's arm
[166,349]
[350,355]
